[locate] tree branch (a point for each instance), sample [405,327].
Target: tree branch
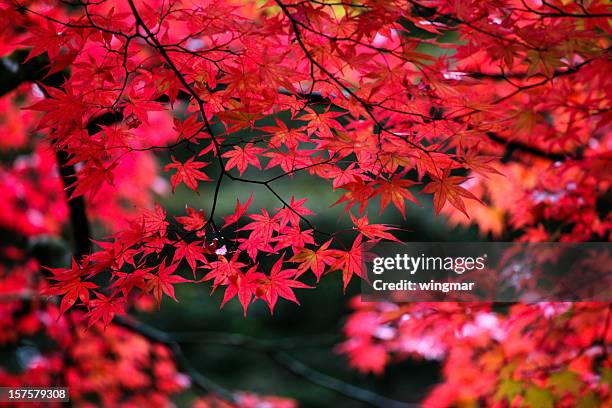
[348,390]
[275,350]
[513,145]
[79,222]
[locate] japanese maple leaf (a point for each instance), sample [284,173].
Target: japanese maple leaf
[315,260]
[241,157]
[240,284]
[112,256]
[193,221]
[322,122]
[50,38]
[293,237]
[127,281]
[188,127]
[155,221]
[255,244]
[291,215]
[340,176]
[395,191]
[358,192]
[154,244]
[479,163]
[92,177]
[139,102]
[116,136]
[187,173]
[279,283]
[262,225]
[291,160]
[70,285]
[104,308]
[222,269]
[448,188]
[375,232]
[282,135]
[351,262]
[191,251]
[162,281]
[238,212]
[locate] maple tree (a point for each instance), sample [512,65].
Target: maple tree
[497,112]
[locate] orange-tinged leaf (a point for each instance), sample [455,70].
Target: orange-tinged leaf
[315,260]
[448,188]
[395,191]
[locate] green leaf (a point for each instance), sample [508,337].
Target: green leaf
[588,401]
[606,376]
[537,397]
[508,389]
[564,382]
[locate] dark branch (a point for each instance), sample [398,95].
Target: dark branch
[78,213]
[513,145]
[348,390]
[276,350]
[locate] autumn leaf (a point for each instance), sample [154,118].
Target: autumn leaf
[193,221]
[293,213]
[395,191]
[449,188]
[104,308]
[192,252]
[241,285]
[241,157]
[162,281]
[315,260]
[238,212]
[375,232]
[351,262]
[280,282]
[187,173]
[479,163]
[70,285]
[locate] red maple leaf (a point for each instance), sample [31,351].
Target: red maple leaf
[222,269]
[70,285]
[292,214]
[262,226]
[279,283]
[187,173]
[104,308]
[162,281]
[154,222]
[193,221]
[241,157]
[315,260]
[238,212]
[375,232]
[242,285]
[351,262]
[190,251]
[448,187]
[395,191]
